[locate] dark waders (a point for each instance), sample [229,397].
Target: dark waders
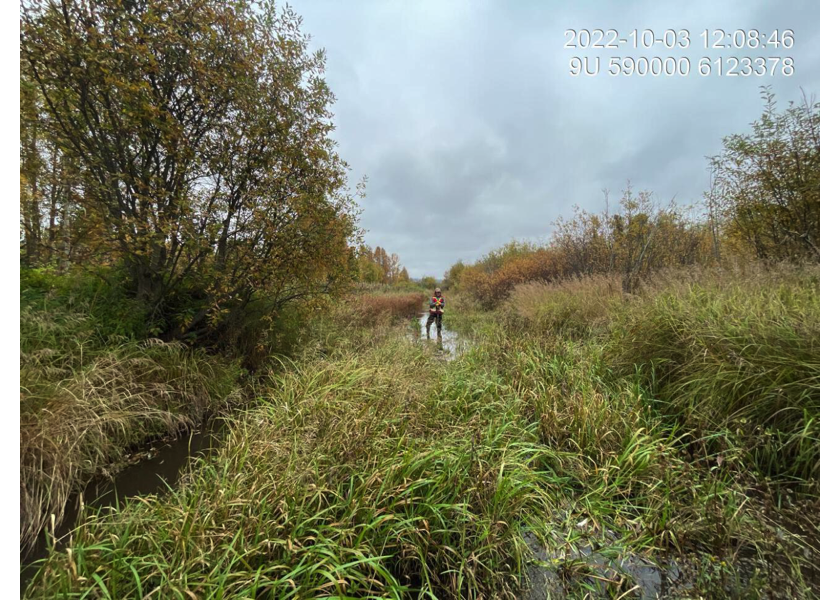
[437,319]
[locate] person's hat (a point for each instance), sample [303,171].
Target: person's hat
[437,290]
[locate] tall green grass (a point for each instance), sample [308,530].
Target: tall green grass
[731,356]
[357,475]
[735,360]
[87,397]
[369,469]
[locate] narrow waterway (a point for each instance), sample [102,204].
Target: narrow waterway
[157,467]
[151,470]
[445,343]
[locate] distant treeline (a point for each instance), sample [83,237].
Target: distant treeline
[763,203]
[377,266]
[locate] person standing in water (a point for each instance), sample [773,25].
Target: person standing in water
[436,304]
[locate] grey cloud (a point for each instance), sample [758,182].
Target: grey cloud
[471,131]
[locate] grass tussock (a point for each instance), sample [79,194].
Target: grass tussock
[731,356]
[578,416]
[576,307]
[735,359]
[86,400]
[357,475]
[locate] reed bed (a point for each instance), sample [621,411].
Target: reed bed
[368,308]
[578,417]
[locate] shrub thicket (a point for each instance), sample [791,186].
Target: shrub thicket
[763,204]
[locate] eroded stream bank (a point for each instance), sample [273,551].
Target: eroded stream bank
[152,469]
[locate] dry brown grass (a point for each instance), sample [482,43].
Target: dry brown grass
[372,307]
[574,305]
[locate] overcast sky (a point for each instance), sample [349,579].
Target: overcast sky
[472,132]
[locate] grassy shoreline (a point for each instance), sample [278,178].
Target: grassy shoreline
[367,468]
[86,399]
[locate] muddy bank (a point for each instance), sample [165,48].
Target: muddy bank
[152,469]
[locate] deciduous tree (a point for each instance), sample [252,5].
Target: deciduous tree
[200,134]
[768,182]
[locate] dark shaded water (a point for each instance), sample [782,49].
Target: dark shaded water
[546,578]
[152,470]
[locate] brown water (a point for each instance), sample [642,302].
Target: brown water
[445,343]
[154,469]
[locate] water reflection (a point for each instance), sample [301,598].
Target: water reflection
[447,345]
